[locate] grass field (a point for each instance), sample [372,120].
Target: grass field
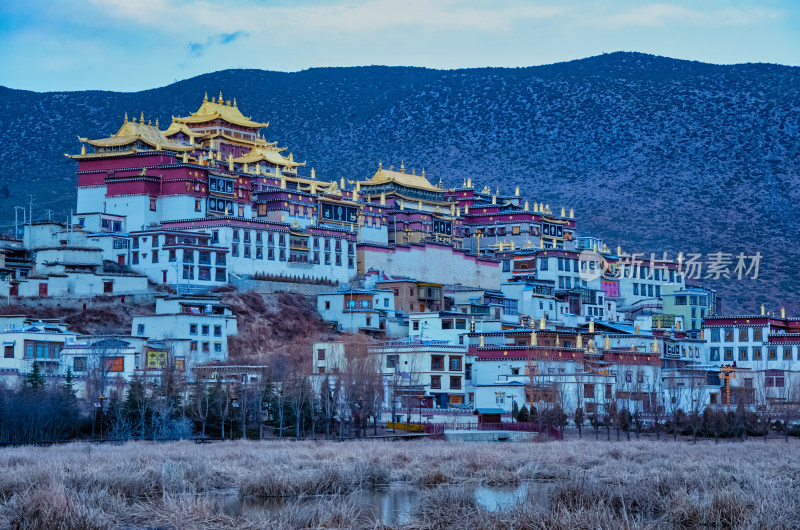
[592,485]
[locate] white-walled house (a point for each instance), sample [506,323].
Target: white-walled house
[26,341]
[203,321]
[368,310]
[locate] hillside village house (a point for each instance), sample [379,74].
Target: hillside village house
[26,341]
[196,327]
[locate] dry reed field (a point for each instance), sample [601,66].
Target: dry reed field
[590,485]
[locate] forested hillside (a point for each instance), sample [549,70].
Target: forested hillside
[653,153]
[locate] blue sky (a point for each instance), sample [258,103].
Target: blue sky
[131,45]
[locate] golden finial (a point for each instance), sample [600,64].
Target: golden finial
[571,213]
[481,339]
[535,208]
[341,183]
[607,343]
[558,341]
[534,340]
[156,123]
[149,122]
[234,102]
[494,199]
[783,312]
[220,97]
[83,149]
[469,182]
[440,185]
[619,250]
[464,185]
[579,341]
[516,191]
[402,166]
[413,171]
[423,175]
[563,212]
[205,98]
[141,120]
[380,165]
[542,322]
[213,100]
[594,247]
[526,206]
[313,173]
[497,190]
[762,310]
[591,325]
[126,117]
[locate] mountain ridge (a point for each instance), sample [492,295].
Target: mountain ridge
[655,154]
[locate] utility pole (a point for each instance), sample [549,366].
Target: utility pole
[16,219]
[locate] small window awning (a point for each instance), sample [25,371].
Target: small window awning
[488,410]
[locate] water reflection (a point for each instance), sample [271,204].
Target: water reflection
[394,505]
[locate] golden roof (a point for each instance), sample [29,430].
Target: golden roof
[269,154]
[175,128]
[211,110]
[384,176]
[132,131]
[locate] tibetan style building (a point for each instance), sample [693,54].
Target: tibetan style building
[210,196]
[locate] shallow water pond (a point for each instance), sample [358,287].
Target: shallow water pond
[396,504]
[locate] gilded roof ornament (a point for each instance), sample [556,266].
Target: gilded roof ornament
[563,212]
[313,173]
[141,120]
[234,102]
[516,191]
[526,206]
[205,98]
[402,166]
[220,97]
[380,164]
[126,117]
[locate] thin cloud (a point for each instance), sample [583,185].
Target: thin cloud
[660,15]
[197,49]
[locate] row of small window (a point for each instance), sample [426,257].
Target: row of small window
[692,300]
[646,273]
[204,274]
[205,347]
[205,329]
[756,355]
[728,334]
[594,311]
[447,323]
[36,350]
[647,290]
[565,282]
[455,382]
[248,236]
[203,257]
[168,240]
